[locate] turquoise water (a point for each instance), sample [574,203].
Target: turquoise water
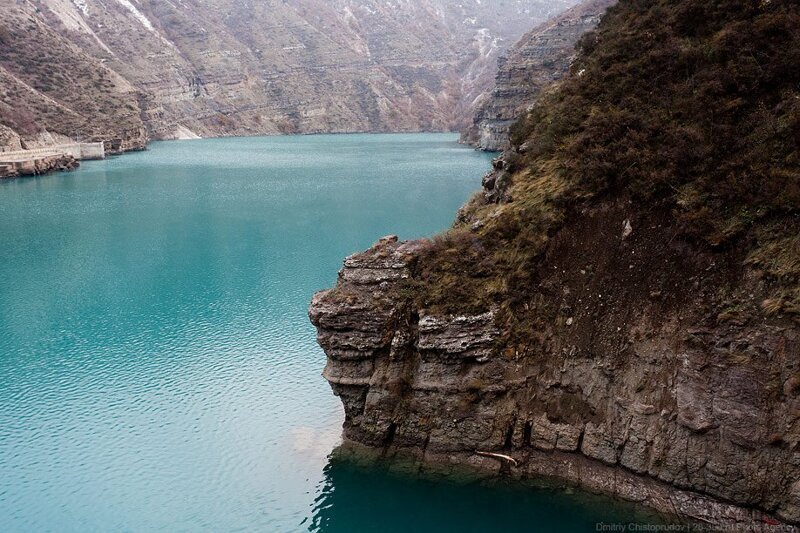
[157,368]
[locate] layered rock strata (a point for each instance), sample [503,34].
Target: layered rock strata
[631,385]
[534,64]
[305,66]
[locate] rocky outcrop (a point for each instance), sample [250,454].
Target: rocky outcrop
[531,66]
[630,383]
[37,165]
[602,311]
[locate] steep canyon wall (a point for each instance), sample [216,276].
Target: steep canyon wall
[192,68]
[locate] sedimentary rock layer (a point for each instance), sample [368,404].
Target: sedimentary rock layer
[531,66]
[629,389]
[241,68]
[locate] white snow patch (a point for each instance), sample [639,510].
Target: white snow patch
[81,4]
[138,14]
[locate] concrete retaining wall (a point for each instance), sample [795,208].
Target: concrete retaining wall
[79,151]
[37,164]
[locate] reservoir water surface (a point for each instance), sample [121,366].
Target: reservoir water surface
[157,368]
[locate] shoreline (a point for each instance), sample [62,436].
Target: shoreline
[563,470]
[37,166]
[68,164]
[436,386]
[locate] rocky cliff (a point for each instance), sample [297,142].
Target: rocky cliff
[532,65]
[619,306]
[198,68]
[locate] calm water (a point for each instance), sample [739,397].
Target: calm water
[157,369]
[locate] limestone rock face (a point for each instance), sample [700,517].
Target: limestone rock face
[381,356]
[231,67]
[631,385]
[37,165]
[535,63]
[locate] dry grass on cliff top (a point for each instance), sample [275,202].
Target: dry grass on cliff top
[689,104]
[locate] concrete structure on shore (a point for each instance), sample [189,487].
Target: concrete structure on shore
[40,160]
[79,151]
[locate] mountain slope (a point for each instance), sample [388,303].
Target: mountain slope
[619,306]
[235,68]
[50,90]
[532,65]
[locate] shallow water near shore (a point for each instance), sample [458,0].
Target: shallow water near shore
[157,367]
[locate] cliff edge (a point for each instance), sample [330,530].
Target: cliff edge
[620,305]
[533,65]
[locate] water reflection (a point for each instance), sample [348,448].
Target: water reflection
[158,371]
[397,496]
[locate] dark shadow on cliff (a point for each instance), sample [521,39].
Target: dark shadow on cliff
[382,495]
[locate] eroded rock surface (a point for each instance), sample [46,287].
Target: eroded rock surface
[223,67]
[632,386]
[37,166]
[531,66]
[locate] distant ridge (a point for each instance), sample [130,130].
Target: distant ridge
[531,66]
[172,70]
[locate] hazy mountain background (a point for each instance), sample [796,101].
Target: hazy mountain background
[130,69]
